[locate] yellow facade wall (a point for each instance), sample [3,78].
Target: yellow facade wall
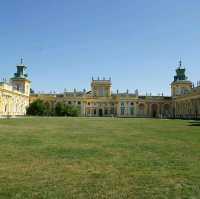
[12,103]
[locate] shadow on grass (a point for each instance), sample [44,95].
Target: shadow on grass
[194,123]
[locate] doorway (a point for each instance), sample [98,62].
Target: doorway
[154,110]
[100,112]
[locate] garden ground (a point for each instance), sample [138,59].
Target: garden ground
[111,158]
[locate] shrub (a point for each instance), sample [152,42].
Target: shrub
[41,108]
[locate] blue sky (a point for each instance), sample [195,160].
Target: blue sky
[66,42]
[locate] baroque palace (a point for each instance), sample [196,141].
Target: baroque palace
[184,101]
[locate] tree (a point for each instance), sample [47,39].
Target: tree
[60,109]
[36,108]
[48,110]
[42,108]
[73,111]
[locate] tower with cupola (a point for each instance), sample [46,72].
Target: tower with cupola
[20,81]
[181,85]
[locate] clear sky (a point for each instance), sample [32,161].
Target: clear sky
[66,42]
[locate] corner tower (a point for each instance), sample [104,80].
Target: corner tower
[181,84]
[20,81]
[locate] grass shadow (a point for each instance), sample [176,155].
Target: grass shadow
[194,123]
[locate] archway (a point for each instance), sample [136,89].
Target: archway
[154,110]
[141,109]
[100,112]
[166,110]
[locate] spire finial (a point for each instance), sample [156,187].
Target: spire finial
[21,60]
[180,63]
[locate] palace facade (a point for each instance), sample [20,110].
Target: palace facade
[184,101]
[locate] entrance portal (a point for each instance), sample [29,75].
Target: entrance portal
[100,112]
[154,110]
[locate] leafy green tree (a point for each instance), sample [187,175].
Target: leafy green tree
[36,108]
[48,110]
[42,108]
[60,109]
[73,111]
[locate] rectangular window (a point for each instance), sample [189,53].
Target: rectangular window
[112,111]
[106,112]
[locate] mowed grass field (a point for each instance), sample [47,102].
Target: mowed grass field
[55,158]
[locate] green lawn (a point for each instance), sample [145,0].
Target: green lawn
[99,158]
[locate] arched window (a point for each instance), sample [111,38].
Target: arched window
[6,108]
[106,112]
[166,110]
[154,110]
[132,110]
[122,110]
[141,109]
